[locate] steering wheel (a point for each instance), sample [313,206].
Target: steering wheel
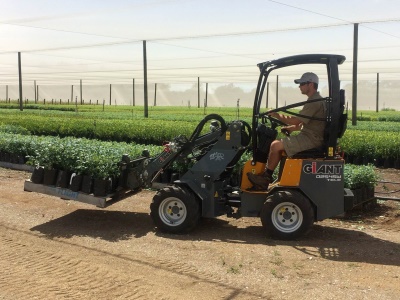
[278,122]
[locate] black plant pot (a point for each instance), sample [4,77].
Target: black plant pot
[366,160]
[50,176]
[378,162]
[397,163]
[101,187]
[370,192]
[75,182]
[87,184]
[348,158]
[388,163]
[63,179]
[14,159]
[7,157]
[37,175]
[358,196]
[358,160]
[21,159]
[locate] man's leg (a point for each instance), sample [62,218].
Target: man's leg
[275,154]
[262,180]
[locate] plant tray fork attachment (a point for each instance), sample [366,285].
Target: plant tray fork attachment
[67,194]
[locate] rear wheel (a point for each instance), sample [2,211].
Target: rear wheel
[287,215]
[175,210]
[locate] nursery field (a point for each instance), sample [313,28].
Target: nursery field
[87,142]
[59,249]
[375,139]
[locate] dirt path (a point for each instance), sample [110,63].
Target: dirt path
[56,249]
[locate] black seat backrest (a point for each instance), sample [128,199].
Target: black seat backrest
[342,122]
[342,126]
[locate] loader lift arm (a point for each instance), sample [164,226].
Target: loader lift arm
[141,172]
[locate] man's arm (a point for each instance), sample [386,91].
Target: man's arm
[292,128]
[290,120]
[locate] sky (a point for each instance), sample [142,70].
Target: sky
[218,41]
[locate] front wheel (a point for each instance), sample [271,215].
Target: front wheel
[287,215]
[175,210]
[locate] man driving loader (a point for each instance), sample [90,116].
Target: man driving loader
[311,131]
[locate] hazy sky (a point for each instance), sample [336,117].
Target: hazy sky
[220,41]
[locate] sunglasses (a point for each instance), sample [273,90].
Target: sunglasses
[304,83]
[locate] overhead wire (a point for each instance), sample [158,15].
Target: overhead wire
[162,41]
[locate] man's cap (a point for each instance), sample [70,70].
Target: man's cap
[308,77]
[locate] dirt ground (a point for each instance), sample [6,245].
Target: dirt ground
[57,249]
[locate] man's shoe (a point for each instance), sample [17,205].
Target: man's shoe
[260,181]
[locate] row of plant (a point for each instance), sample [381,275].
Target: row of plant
[382,116]
[169,113]
[361,180]
[143,131]
[100,159]
[368,142]
[360,146]
[91,166]
[377,147]
[78,155]
[173,113]
[362,115]
[36,106]
[376,126]
[176,114]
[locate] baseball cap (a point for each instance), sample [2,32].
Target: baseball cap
[308,77]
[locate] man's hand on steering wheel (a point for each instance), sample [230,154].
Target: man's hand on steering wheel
[275,117]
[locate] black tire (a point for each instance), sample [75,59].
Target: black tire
[287,215]
[175,210]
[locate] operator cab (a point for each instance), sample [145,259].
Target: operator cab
[326,66]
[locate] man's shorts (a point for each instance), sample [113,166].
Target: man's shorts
[301,142]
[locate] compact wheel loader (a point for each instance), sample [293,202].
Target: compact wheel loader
[309,186]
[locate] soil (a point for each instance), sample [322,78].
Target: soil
[59,249]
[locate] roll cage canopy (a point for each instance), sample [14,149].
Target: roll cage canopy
[301,59]
[335,100]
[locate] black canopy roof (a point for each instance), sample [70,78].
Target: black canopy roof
[301,59]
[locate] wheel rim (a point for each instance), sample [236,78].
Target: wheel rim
[287,217]
[172,211]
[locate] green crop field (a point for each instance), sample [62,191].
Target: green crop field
[374,139]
